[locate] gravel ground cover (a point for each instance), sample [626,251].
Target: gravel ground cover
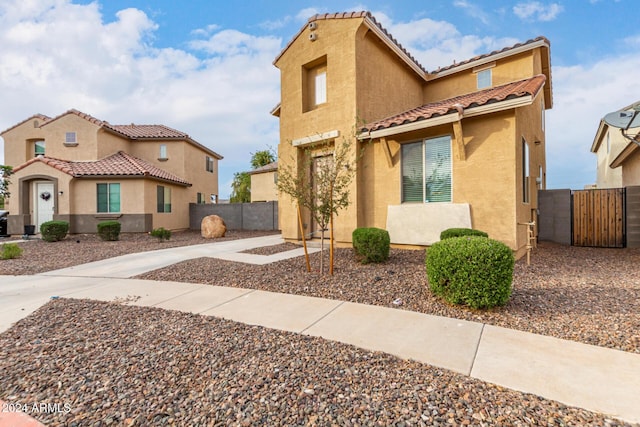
[40,256]
[590,295]
[107,364]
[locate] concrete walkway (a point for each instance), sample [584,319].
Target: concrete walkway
[594,378]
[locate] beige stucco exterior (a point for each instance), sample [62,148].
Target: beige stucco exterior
[617,157]
[264,186]
[369,78]
[75,197]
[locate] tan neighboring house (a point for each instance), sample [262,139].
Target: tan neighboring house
[461,146]
[264,183]
[83,170]
[618,158]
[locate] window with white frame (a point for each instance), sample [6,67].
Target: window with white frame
[164,199]
[314,84]
[426,170]
[108,197]
[70,138]
[163,152]
[525,171]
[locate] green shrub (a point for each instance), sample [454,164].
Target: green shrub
[161,233]
[10,251]
[54,231]
[109,230]
[471,270]
[371,244]
[459,232]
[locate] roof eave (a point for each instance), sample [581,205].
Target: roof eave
[449,118]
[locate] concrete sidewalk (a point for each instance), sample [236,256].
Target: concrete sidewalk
[594,378]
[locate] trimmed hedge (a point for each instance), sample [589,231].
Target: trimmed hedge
[161,233]
[54,231]
[472,270]
[460,232]
[371,244]
[109,230]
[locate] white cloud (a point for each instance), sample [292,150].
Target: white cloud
[473,10]
[536,11]
[57,55]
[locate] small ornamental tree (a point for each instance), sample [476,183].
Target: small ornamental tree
[323,192]
[5,172]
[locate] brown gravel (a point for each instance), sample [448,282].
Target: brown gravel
[119,365]
[105,364]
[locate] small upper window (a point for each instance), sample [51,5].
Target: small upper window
[484,78]
[321,87]
[163,152]
[38,148]
[209,164]
[70,138]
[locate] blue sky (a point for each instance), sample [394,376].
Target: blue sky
[205,67]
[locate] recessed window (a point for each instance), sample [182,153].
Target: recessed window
[314,82]
[426,170]
[163,152]
[209,164]
[108,197]
[38,148]
[525,171]
[164,199]
[200,198]
[484,78]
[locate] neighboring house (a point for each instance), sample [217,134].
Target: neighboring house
[461,146]
[264,183]
[77,168]
[618,158]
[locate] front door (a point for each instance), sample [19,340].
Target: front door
[44,203]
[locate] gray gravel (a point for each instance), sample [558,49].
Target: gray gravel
[108,364]
[114,364]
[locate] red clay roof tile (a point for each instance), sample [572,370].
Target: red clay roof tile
[119,164]
[513,90]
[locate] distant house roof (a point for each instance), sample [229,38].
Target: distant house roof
[524,88]
[270,167]
[119,164]
[132,131]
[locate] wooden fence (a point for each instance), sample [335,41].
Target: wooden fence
[599,218]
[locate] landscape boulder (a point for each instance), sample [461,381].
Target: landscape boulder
[212,227]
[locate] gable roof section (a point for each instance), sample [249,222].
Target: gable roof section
[41,117]
[485,101]
[373,25]
[132,132]
[120,165]
[269,167]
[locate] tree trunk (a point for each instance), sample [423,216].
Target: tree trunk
[304,242]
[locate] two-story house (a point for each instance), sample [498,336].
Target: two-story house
[461,146]
[618,159]
[83,170]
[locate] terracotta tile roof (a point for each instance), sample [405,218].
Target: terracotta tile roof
[134,131]
[269,167]
[508,91]
[495,52]
[349,15]
[119,164]
[40,117]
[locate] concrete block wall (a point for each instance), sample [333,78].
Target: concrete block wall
[262,216]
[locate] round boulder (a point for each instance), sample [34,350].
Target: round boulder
[212,226]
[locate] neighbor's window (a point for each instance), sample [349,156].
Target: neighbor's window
[163,151]
[426,170]
[70,138]
[209,164]
[484,78]
[38,148]
[109,197]
[164,199]
[200,198]
[525,171]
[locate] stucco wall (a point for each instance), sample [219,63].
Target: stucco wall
[263,187]
[16,149]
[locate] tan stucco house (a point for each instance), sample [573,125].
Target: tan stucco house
[264,183]
[83,170]
[618,158]
[460,146]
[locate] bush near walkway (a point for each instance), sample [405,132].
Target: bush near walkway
[472,270]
